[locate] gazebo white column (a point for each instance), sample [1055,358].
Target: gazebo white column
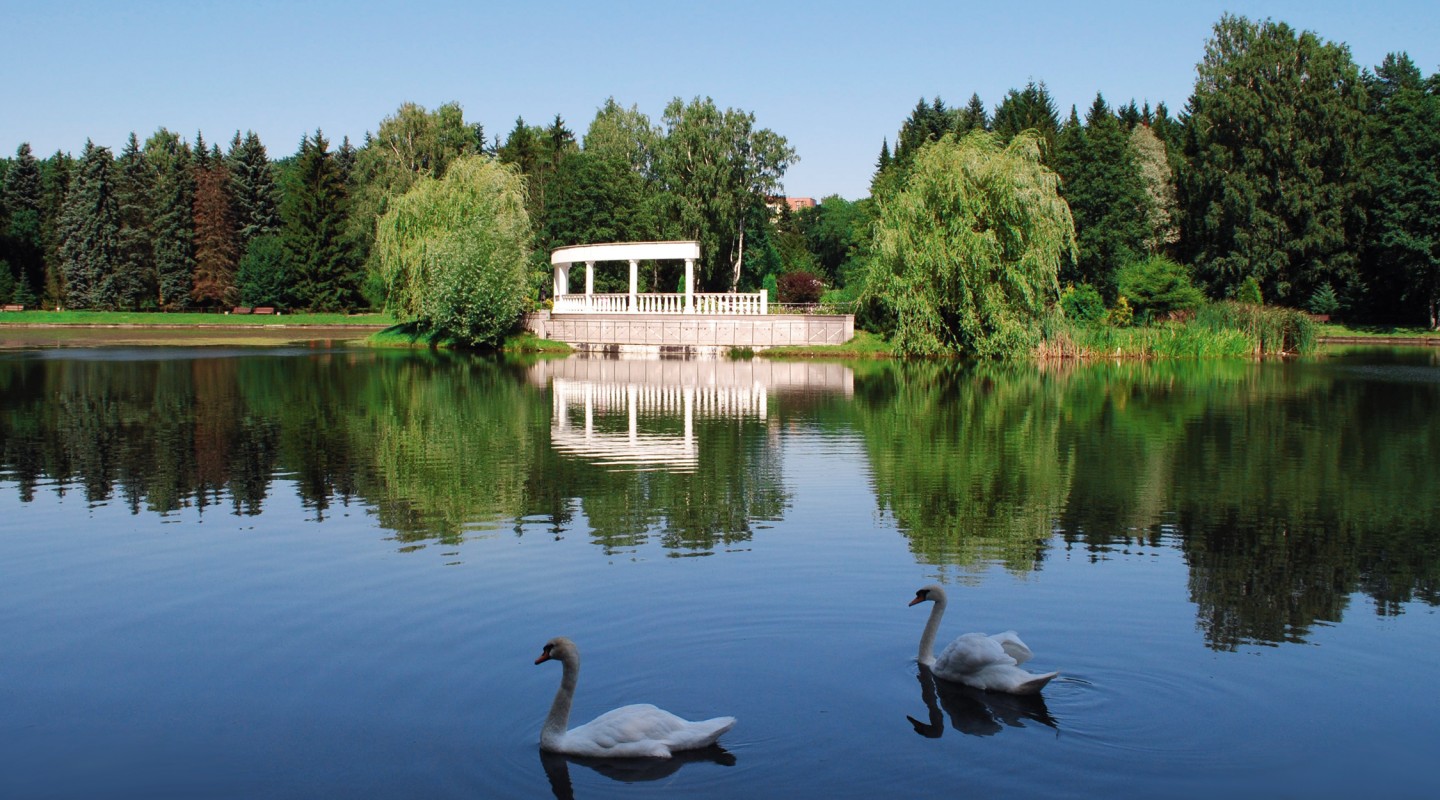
[689,286]
[589,285]
[634,286]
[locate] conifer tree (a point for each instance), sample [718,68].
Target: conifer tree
[1102,184]
[174,221]
[216,255]
[252,190]
[90,231]
[320,261]
[1030,108]
[134,273]
[55,180]
[1272,181]
[1403,155]
[22,195]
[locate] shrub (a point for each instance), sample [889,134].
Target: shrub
[1157,287]
[1121,315]
[799,287]
[1324,301]
[1082,303]
[1249,292]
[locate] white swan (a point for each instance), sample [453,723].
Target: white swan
[636,731]
[985,662]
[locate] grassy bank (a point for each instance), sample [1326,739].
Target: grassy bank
[864,345]
[187,319]
[410,335]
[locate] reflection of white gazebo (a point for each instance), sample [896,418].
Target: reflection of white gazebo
[688,302]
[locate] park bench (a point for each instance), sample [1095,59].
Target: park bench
[264,310]
[13,307]
[240,310]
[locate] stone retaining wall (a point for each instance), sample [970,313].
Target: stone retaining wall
[689,333]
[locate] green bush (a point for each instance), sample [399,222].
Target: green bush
[1324,301]
[1249,292]
[1158,287]
[1082,303]
[1121,315]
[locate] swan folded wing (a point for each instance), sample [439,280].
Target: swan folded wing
[644,731]
[971,653]
[1016,649]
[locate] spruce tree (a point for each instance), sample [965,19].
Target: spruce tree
[319,260]
[134,273]
[55,179]
[23,196]
[174,222]
[90,231]
[252,190]
[216,255]
[1106,193]
[1030,108]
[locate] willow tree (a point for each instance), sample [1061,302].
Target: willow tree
[452,251]
[967,253]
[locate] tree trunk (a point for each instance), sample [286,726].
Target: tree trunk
[739,259]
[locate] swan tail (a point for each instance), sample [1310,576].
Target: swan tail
[1010,642]
[1034,685]
[700,734]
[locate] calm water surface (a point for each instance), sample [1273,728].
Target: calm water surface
[301,572]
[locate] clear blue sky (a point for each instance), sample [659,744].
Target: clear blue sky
[835,78]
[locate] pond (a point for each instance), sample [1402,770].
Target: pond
[320,570]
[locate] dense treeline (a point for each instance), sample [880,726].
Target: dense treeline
[1292,177]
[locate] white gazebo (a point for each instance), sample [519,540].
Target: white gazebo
[689,302]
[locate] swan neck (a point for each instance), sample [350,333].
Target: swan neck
[932,627]
[559,717]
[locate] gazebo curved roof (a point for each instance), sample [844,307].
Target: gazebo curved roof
[626,251]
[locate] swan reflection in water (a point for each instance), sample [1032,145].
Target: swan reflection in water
[975,712]
[627,770]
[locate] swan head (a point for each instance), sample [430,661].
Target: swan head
[933,593]
[557,648]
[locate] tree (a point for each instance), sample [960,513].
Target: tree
[174,221]
[717,169]
[261,277]
[1272,142]
[216,253]
[1158,286]
[593,199]
[623,134]
[1153,161]
[453,251]
[1403,152]
[252,190]
[134,271]
[967,254]
[1106,193]
[90,231]
[836,231]
[55,180]
[319,259]
[23,231]
[1029,109]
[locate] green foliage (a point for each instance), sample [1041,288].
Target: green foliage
[1082,303]
[1403,239]
[625,135]
[1157,286]
[1106,192]
[966,255]
[1272,186]
[133,275]
[594,199]
[1121,315]
[321,261]
[90,231]
[1029,109]
[173,226]
[261,276]
[1152,158]
[716,170]
[453,251]
[837,232]
[1270,330]
[1323,301]
[252,190]
[22,239]
[1249,291]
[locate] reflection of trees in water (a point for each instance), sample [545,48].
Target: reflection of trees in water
[1287,487]
[966,458]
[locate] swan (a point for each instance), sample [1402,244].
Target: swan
[634,731]
[984,662]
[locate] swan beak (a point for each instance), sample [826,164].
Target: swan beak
[913,602]
[543,658]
